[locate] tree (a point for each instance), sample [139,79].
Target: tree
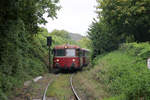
[119,21]
[102,38]
[30,12]
[61,33]
[85,42]
[19,21]
[128,17]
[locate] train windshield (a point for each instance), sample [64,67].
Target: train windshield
[70,52]
[59,52]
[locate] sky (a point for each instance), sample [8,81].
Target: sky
[75,16]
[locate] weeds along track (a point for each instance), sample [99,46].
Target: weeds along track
[73,89]
[45,91]
[58,85]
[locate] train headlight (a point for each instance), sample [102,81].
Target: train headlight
[65,47]
[73,60]
[57,60]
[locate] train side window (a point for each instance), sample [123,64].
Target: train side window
[86,53]
[77,52]
[59,52]
[81,53]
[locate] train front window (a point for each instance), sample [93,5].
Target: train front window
[59,52]
[70,52]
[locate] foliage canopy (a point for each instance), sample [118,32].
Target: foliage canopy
[119,21]
[22,55]
[61,33]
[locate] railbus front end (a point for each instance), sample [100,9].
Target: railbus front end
[66,57]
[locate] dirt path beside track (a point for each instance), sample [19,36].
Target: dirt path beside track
[32,90]
[88,88]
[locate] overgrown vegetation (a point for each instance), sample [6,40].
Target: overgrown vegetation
[60,88]
[22,55]
[85,42]
[61,33]
[119,21]
[124,72]
[30,59]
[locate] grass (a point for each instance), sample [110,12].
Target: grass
[119,75]
[60,88]
[86,83]
[124,72]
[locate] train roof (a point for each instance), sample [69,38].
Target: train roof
[85,49]
[66,46]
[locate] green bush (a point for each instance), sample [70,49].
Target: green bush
[3,96]
[125,72]
[23,57]
[141,50]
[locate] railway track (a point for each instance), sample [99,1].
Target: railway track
[44,95]
[73,89]
[71,85]
[45,91]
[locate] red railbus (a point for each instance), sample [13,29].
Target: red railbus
[67,57]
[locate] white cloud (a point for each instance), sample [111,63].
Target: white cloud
[75,16]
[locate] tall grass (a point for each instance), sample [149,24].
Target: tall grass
[124,72]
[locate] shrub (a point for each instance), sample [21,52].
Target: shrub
[124,71]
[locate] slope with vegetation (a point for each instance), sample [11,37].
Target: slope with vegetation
[124,72]
[75,36]
[23,50]
[31,61]
[120,48]
[119,21]
[118,75]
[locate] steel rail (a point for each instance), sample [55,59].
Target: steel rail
[44,95]
[75,93]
